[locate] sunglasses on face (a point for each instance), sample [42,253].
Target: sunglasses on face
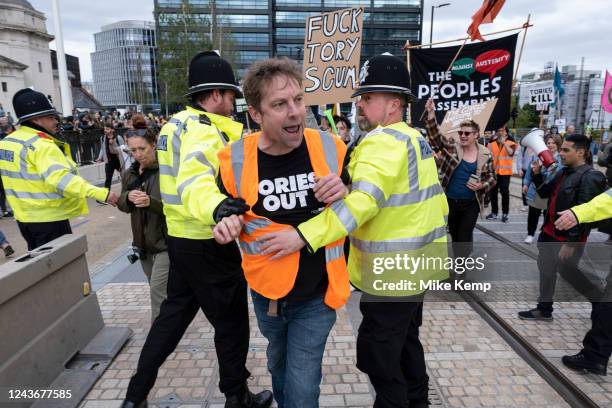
[461,133]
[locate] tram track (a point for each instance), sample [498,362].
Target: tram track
[565,387]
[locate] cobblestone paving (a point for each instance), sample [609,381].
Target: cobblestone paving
[469,364]
[561,337]
[473,366]
[189,376]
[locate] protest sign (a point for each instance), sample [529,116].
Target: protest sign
[332,48]
[482,71]
[542,95]
[560,124]
[479,113]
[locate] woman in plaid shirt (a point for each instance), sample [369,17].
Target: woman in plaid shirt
[465,168]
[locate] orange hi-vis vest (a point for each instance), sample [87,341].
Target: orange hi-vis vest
[274,279]
[502,161]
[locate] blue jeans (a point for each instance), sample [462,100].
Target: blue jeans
[297,338]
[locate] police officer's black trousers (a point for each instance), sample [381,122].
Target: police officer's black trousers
[598,341]
[37,234]
[224,303]
[390,353]
[2,198]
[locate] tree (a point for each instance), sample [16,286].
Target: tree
[180,37]
[527,117]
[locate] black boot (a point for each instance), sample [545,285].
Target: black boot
[247,399]
[580,362]
[130,404]
[421,403]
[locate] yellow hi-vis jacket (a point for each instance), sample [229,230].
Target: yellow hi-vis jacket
[599,208]
[396,211]
[40,180]
[187,150]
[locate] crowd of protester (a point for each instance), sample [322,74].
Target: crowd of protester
[83,121]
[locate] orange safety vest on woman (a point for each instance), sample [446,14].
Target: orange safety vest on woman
[274,279]
[502,161]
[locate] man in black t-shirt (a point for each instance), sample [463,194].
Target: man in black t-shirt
[282,160]
[276,174]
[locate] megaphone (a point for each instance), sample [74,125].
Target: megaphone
[535,140]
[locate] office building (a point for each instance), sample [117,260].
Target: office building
[124,67]
[264,28]
[580,104]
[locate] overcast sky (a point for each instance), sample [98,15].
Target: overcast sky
[564,30]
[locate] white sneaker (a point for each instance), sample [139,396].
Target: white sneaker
[529,239]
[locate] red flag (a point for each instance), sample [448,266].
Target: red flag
[485,15]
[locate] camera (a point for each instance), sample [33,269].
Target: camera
[137,253]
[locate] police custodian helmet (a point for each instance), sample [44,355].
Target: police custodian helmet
[207,71]
[29,104]
[384,73]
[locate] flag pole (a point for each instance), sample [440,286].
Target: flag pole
[445,72]
[409,105]
[407,47]
[518,64]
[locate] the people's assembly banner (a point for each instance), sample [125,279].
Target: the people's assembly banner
[482,71]
[332,48]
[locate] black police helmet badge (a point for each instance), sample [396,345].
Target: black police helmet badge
[29,104]
[384,73]
[208,71]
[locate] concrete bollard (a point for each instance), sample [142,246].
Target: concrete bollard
[51,327]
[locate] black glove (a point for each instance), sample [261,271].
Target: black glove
[230,206]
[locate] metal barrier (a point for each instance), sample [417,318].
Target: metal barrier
[85,144]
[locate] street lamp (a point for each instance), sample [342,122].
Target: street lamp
[432,16]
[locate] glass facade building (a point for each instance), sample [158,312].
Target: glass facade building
[264,28]
[123,65]
[72,65]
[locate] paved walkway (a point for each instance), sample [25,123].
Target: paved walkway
[189,376]
[469,364]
